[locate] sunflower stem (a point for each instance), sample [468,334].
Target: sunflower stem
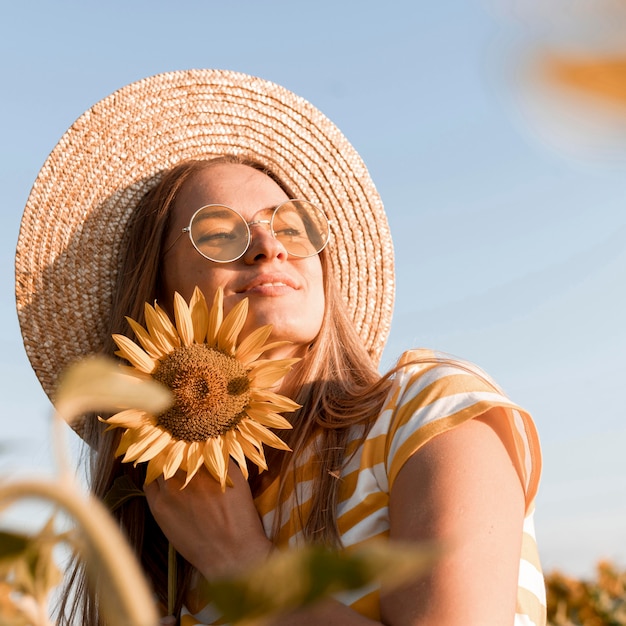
[108,556]
[171,578]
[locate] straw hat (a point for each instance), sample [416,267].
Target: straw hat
[67,251]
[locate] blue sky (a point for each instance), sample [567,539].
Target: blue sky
[509,237]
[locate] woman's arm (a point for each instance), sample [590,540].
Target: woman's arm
[460,488]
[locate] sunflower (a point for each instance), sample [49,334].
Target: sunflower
[222,406]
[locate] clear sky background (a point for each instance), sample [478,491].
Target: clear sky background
[508,219]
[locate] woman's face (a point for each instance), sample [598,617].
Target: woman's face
[284,291]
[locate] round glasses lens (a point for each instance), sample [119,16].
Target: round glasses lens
[219,233]
[301,227]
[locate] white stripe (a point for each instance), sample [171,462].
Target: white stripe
[381,425]
[208,615]
[409,386]
[305,490]
[529,524]
[531,579]
[374,524]
[370,480]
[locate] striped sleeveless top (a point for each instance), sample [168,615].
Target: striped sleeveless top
[430,395]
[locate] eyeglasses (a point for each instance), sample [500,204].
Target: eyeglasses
[222,235]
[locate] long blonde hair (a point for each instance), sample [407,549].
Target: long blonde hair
[337,384]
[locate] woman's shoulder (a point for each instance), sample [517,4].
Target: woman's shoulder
[433,392]
[429,386]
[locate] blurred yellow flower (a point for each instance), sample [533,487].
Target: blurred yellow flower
[222,405]
[602,77]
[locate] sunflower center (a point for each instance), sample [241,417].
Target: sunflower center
[211,391]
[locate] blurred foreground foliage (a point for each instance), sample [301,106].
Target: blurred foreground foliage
[597,602]
[285,582]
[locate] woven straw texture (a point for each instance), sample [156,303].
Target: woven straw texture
[68,246]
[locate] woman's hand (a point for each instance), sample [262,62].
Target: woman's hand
[217,532]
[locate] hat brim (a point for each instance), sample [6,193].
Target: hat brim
[68,246]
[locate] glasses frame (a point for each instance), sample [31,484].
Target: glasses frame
[269,222]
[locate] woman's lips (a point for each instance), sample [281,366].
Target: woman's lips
[269,285]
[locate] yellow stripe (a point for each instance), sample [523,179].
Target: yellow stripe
[374,451]
[448,384]
[535,455]
[529,604]
[373,454]
[368,605]
[530,552]
[369,505]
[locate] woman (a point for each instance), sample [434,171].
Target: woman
[433,450]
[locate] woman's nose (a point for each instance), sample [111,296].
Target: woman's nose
[263,244]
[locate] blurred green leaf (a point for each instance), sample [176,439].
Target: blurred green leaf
[294,579]
[122,490]
[28,572]
[12,545]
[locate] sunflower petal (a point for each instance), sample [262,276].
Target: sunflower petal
[168,327]
[235,450]
[215,317]
[143,443]
[273,400]
[267,418]
[214,460]
[193,450]
[144,338]
[267,372]
[159,339]
[193,461]
[199,315]
[184,324]
[130,351]
[261,433]
[251,347]
[125,440]
[162,336]
[130,418]
[155,468]
[252,449]
[155,448]
[232,326]
[276,344]
[226,457]
[174,458]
